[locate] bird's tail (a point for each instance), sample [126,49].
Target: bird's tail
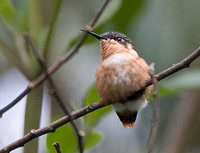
[127,118]
[127,112]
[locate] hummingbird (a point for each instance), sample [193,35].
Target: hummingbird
[122,76]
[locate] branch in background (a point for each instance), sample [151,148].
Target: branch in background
[92,107]
[54,91]
[16,100]
[155,112]
[185,63]
[57,64]
[51,127]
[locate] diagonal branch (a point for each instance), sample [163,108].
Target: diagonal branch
[51,127]
[92,107]
[185,63]
[55,93]
[57,64]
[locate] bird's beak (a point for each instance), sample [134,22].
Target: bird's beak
[93,34]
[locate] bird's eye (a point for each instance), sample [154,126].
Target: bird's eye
[120,39]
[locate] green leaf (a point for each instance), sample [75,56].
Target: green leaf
[186,80]
[15,16]
[22,16]
[93,118]
[165,91]
[8,12]
[65,137]
[91,95]
[92,139]
[110,10]
[128,10]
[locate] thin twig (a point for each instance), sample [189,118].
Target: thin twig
[185,63]
[155,112]
[15,101]
[57,147]
[98,14]
[57,64]
[92,107]
[55,93]
[42,63]
[51,127]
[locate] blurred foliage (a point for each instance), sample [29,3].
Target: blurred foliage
[107,15]
[167,91]
[185,80]
[93,118]
[21,18]
[123,18]
[164,91]
[15,17]
[163,32]
[92,139]
[90,122]
[65,137]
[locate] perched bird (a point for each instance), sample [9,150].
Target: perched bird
[121,76]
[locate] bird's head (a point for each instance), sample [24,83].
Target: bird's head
[113,42]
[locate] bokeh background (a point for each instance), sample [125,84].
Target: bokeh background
[163,32]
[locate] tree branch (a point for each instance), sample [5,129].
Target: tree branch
[92,107]
[57,64]
[51,127]
[55,93]
[185,63]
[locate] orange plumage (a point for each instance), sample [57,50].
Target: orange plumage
[121,76]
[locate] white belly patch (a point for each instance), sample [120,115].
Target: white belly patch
[130,105]
[116,59]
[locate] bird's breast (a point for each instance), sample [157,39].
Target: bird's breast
[117,59]
[120,75]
